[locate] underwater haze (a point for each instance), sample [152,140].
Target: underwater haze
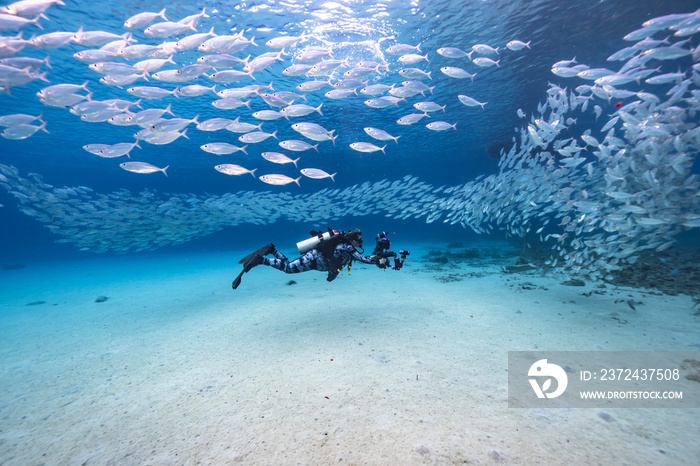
[147,146]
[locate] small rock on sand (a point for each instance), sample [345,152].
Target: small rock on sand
[495,455]
[606,416]
[422,449]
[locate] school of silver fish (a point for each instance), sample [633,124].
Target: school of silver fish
[623,187]
[122,61]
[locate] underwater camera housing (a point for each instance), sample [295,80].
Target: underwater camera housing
[383,243]
[381,250]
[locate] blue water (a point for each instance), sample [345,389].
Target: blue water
[557,31]
[176,368]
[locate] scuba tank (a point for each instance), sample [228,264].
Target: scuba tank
[316,239]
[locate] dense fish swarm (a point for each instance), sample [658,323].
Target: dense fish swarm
[621,187]
[172,67]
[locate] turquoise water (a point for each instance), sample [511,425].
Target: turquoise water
[585,179]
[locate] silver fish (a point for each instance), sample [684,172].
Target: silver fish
[284,42]
[151,114]
[381,134]
[516,45]
[222,148]
[454,72]
[429,107]
[143,20]
[414,73]
[173,124]
[453,52]
[298,146]
[19,119]
[95,148]
[237,126]
[232,169]
[167,28]
[317,174]
[402,49]
[311,86]
[214,124]
[483,49]
[138,51]
[300,110]
[230,104]
[376,89]
[276,157]
[121,80]
[11,22]
[412,58]
[470,102]
[229,76]
[297,70]
[22,131]
[267,115]
[339,93]
[98,38]
[440,126]
[29,8]
[143,167]
[306,128]
[221,60]
[485,62]
[366,147]
[52,40]
[411,118]
[161,139]
[193,41]
[152,64]
[149,92]
[194,90]
[256,136]
[382,102]
[117,150]
[279,180]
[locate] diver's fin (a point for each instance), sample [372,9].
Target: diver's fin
[251,260]
[255,258]
[263,251]
[237,281]
[314,233]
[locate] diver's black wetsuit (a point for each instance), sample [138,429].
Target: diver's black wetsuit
[315,260]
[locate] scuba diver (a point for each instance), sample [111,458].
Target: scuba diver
[325,252]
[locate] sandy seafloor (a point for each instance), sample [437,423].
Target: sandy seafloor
[381,367]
